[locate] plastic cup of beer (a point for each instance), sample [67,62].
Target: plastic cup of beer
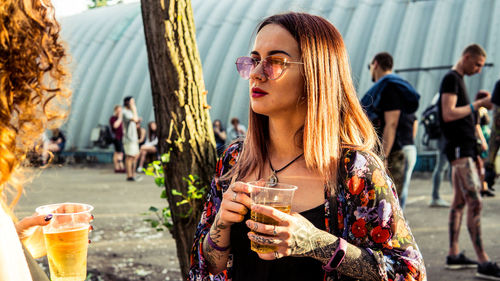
[278,196]
[66,240]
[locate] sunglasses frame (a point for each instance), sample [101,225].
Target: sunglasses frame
[258,62]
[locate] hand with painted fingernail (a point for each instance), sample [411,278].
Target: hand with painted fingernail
[29,230]
[24,227]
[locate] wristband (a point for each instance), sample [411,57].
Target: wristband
[337,257]
[213,245]
[471,108]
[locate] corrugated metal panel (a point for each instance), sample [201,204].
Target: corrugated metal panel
[110,60]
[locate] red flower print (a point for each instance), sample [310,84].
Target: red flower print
[410,267]
[218,167]
[380,235]
[209,209]
[234,154]
[359,229]
[340,219]
[356,184]
[364,200]
[371,194]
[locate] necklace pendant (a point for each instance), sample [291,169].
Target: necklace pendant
[273,180]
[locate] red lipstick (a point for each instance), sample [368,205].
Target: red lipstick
[257,92]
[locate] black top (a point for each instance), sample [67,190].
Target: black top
[404,133]
[495,97]
[459,134]
[248,266]
[390,100]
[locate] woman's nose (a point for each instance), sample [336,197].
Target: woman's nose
[257,72]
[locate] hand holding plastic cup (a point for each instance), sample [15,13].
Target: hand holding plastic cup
[66,240]
[279,196]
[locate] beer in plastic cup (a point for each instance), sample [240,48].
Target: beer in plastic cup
[66,240]
[279,196]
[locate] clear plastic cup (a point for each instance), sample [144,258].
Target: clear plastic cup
[66,240]
[278,196]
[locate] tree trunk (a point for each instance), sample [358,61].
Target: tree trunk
[179,100]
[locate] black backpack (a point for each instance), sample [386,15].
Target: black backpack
[105,136]
[432,126]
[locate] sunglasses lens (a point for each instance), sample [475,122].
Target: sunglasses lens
[273,67]
[244,65]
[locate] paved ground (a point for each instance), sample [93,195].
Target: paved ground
[125,248]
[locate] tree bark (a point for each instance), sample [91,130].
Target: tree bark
[179,100]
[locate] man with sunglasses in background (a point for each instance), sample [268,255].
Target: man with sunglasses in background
[390,104]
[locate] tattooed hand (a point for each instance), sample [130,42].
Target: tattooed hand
[294,236]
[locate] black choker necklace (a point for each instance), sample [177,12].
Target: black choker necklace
[273,179]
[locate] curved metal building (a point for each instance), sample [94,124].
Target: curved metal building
[109,59]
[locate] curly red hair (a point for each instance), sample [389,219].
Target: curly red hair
[33,93]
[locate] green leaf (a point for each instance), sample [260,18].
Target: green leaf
[153,209]
[169,225]
[167,213]
[165,158]
[182,202]
[157,166]
[154,223]
[163,194]
[175,192]
[160,182]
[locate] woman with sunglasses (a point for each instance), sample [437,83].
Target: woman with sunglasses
[306,128]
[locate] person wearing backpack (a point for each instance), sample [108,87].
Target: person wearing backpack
[387,102]
[458,126]
[432,131]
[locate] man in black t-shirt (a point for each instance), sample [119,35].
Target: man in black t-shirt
[458,127]
[391,112]
[494,142]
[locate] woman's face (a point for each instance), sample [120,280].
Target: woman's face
[153,126]
[278,97]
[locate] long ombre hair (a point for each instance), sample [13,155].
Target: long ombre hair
[33,96]
[335,119]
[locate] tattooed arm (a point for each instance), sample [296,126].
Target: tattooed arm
[235,204]
[321,245]
[205,259]
[298,237]
[219,234]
